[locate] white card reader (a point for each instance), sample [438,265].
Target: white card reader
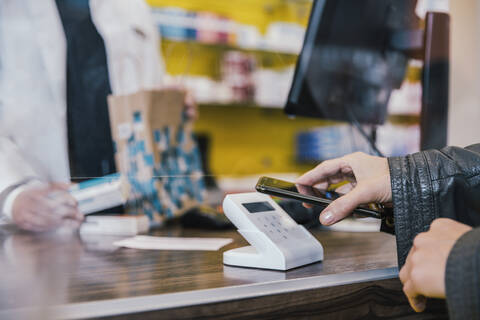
[277,241]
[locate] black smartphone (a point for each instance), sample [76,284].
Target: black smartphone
[311,195]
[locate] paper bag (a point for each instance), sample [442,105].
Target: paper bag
[156,151]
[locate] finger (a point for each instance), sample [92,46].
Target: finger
[46,219]
[77,215]
[60,192]
[62,200]
[42,203]
[71,224]
[65,206]
[419,303]
[60,186]
[67,212]
[191,106]
[347,170]
[304,189]
[322,171]
[39,222]
[307,190]
[322,185]
[346,188]
[25,225]
[404,273]
[336,179]
[50,210]
[341,177]
[343,206]
[190,101]
[191,112]
[416,301]
[40,210]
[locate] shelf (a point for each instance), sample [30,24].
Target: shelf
[404,119]
[222,46]
[237,105]
[395,119]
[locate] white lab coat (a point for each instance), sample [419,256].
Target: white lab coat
[33,132]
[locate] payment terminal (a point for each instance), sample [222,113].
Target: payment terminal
[276,241]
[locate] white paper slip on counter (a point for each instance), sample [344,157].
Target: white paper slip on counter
[174,243]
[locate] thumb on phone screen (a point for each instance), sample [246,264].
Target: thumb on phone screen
[344,206]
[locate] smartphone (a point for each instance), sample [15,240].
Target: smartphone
[311,195]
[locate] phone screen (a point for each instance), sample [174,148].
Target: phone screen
[310,194]
[300,189]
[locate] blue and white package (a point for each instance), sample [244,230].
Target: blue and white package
[100,193]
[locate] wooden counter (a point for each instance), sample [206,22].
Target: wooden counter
[89,278]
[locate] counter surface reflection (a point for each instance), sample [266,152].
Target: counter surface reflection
[90,278]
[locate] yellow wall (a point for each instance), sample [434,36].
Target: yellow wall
[252,140]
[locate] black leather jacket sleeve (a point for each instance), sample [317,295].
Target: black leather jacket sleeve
[462,277]
[432,184]
[442,183]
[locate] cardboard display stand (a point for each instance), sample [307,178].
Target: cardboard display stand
[156,151]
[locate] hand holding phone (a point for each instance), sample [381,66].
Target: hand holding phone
[369,178]
[312,195]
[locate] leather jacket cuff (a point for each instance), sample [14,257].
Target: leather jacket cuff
[412,197]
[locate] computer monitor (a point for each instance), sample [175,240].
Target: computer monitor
[349,64]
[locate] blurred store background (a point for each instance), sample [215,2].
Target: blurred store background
[237,57]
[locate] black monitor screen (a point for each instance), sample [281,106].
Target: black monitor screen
[346,68]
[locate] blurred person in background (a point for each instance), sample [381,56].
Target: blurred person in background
[59,60]
[436,202]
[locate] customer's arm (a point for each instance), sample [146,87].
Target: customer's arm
[422,186]
[432,184]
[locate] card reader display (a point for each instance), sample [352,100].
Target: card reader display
[255,207]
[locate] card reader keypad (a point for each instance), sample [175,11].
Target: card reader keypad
[276,226]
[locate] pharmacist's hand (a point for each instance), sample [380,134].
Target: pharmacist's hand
[368,177]
[46,208]
[423,274]
[191,108]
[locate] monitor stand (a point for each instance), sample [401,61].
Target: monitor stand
[435,81]
[432,46]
